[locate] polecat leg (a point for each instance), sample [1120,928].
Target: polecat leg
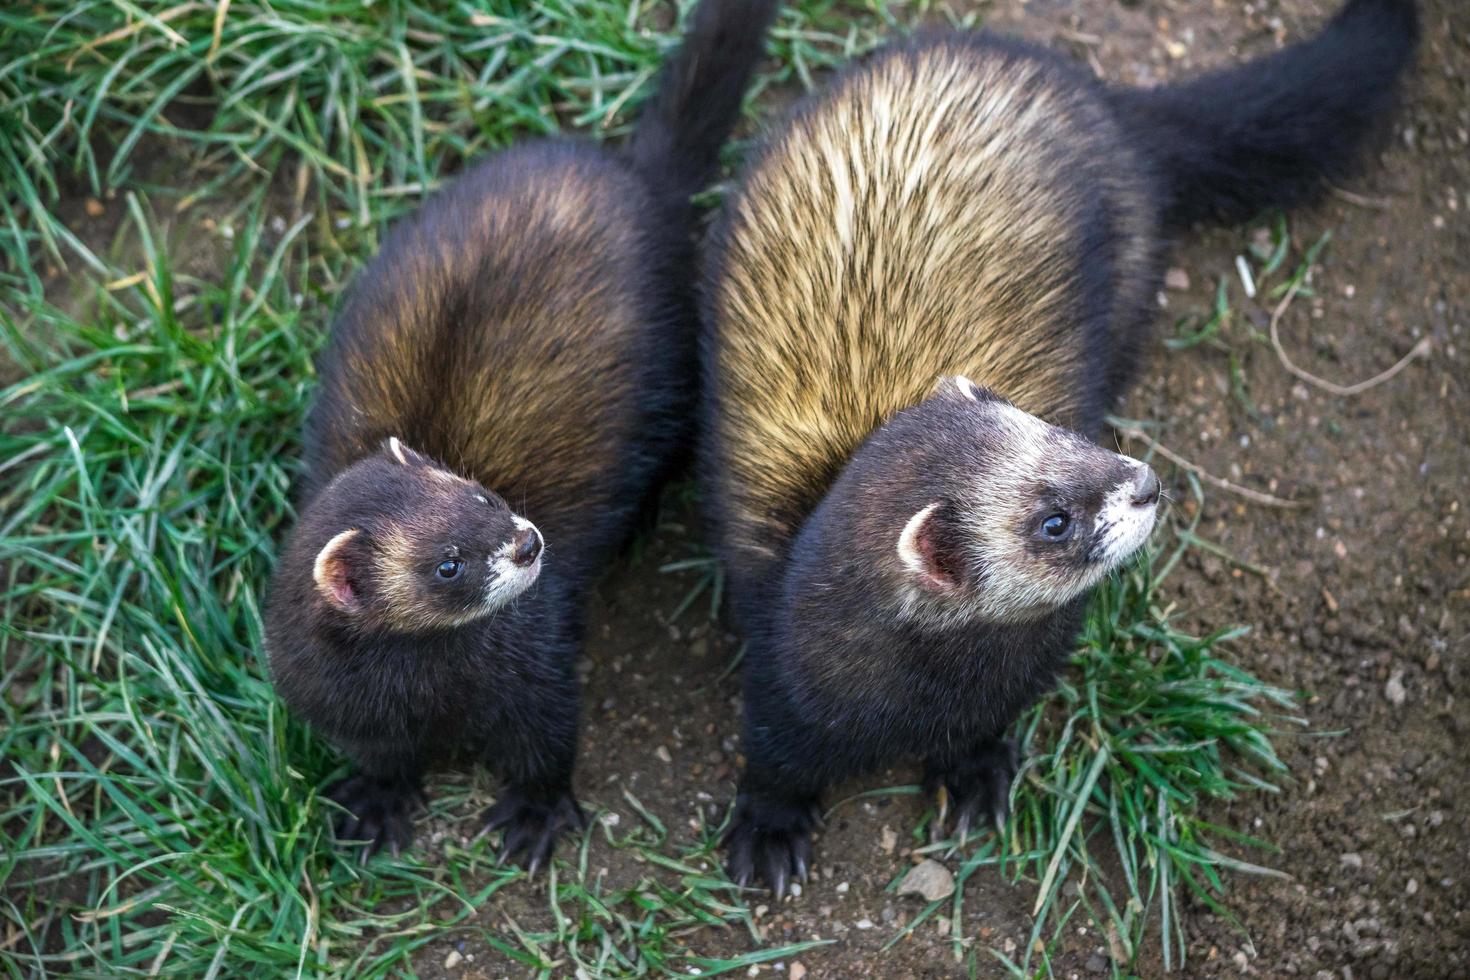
[770,837]
[536,805]
[532,821]
[380,810]
[975,783]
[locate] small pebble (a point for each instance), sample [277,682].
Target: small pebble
[929,879]
[1352,860]
[1394,689]
[454,959]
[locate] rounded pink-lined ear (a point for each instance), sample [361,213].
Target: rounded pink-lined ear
[402,454]
[333,573]
[923,552]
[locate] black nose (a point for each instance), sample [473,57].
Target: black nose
[1145,487]
[527,546]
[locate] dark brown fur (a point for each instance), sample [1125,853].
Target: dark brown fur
[531,333]
[960,204]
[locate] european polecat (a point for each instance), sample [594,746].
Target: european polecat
[528,339]
[910,564]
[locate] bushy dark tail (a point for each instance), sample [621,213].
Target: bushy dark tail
[1268,133]
[676,143]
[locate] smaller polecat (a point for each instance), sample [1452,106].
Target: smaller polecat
[910,565]
[529,336]
[400,563]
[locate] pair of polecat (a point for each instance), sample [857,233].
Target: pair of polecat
[910,563]
[527,339]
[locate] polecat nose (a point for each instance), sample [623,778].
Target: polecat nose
[1145,487]
[527,546]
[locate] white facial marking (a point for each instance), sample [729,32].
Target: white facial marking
[1123,526]
[1006,580]
[507,579]
[396,448]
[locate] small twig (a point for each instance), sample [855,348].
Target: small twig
[1377,203]
[1089,40]
[1421,348]
[1254,496]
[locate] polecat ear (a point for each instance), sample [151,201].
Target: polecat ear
[337,571]
[400,453]
[959,386]
[927,553]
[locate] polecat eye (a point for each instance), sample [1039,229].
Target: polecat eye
[449,568]
[1057,527]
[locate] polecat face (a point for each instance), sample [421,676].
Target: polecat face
[1030,517]
[410,546]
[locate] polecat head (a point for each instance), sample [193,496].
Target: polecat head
[403,544]
[1001,516]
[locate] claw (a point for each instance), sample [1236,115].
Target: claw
[962,828]
[771,845]
[530,827]
[802,857]
[378,814]
[979,787]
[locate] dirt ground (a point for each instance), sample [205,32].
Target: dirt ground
[1364,604]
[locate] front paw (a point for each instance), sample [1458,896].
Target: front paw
[771,843]
[379,813]
[532,826]
[975,789]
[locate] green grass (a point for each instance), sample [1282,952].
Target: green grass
[158,808]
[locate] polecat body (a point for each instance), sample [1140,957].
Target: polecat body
[526,340]
[910,566]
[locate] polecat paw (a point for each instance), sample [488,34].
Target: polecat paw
[531,827]
[977,789]
[771,844]
[378,813]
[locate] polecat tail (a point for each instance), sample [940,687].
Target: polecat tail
[1269,132]
[676,143]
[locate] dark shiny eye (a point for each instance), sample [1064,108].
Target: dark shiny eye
[1056,527]
[449,568]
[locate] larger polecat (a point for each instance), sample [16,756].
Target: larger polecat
[910,562]
[526,339]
